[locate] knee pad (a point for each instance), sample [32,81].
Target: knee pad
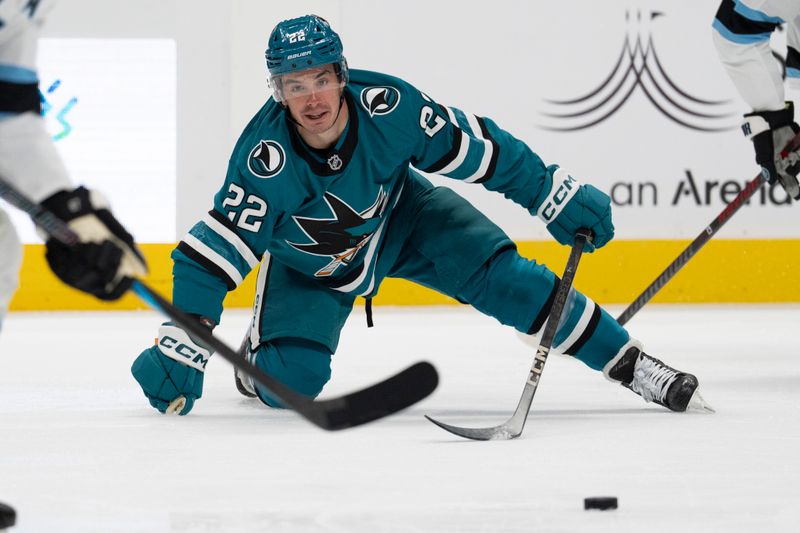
[302,365]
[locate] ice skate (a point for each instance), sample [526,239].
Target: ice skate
[244,383]
[655,381]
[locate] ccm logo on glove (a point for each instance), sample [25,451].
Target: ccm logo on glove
[176,344]
[564,188]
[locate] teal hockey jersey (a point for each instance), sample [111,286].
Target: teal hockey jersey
[324,213]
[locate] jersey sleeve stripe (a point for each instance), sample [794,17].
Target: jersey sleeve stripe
[495,152]
[479,151]
[221,246]
[742,25]
[739,38]
[207,264]
[450,114]
[488,149]
[468,164]
[19,98]
[15,74]
[454,162]
[474,127]
[464,121]
[221,225]
[478,129]
[459,146]
[232,273]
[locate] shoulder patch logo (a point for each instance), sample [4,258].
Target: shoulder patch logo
[380,100]
[266,159]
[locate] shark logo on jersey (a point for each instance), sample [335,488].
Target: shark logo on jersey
[266,159]
[342,236]
[380,100]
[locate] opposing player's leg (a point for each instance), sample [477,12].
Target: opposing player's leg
[455,249]
[294,332]
[11,252]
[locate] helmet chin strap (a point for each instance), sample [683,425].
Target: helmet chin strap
[338,112]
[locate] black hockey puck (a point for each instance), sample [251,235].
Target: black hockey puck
[601,503]
[8,516]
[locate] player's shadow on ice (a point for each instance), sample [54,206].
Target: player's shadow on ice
[486,418]
[476,414]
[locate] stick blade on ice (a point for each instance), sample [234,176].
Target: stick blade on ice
[505,431]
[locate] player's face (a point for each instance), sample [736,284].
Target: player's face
[313,97]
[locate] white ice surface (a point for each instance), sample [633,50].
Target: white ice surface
[82,451]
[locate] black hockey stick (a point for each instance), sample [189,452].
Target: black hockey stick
[513,427]
[381,399]
[691,250]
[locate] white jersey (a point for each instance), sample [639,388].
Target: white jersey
[742,33]
[28,158]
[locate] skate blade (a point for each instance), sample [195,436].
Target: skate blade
[697,403]
[244,384]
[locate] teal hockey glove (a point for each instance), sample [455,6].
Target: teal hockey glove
[171,369]
[565,206]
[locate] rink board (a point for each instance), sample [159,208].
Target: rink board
[724,271]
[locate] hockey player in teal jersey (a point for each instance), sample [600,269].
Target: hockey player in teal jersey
[322,192]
